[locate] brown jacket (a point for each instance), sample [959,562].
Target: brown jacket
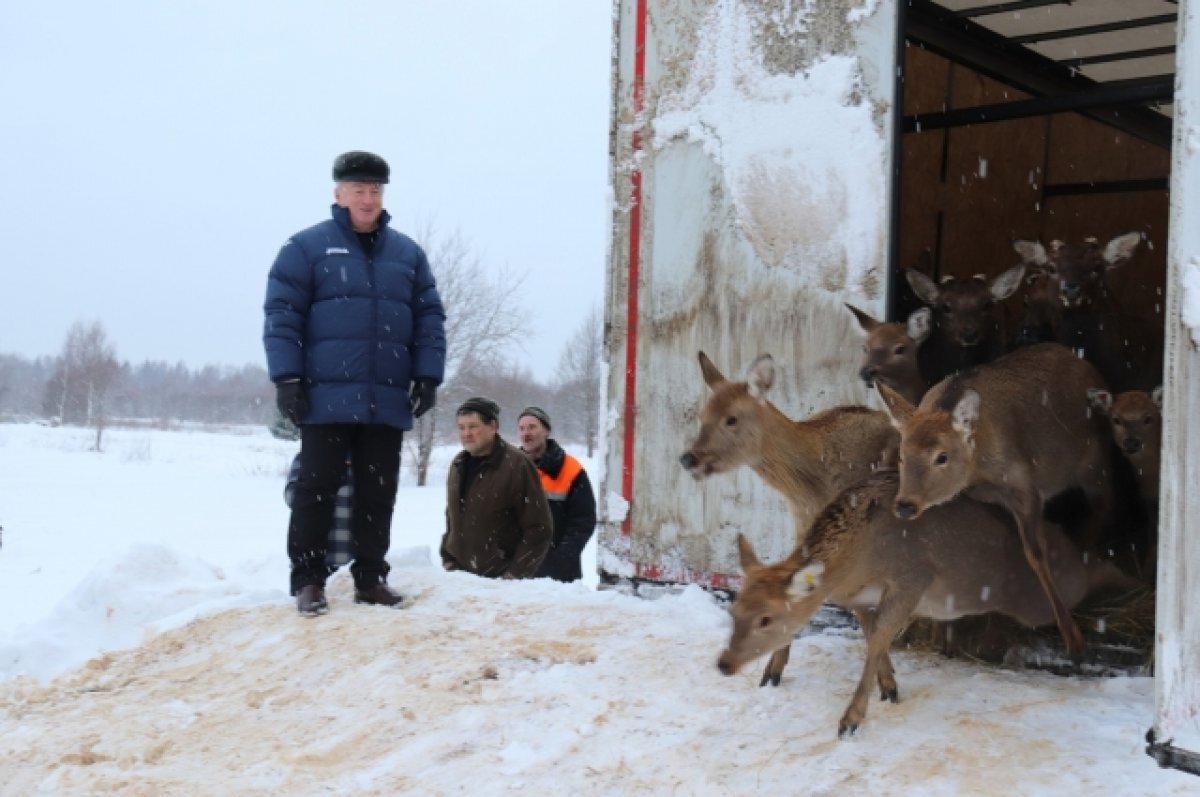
[502,526]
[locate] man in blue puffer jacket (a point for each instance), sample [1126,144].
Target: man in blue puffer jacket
[356,347]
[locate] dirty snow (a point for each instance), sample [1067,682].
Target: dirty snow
[148,647]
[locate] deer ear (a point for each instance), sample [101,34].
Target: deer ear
[865,321]
[922,286]
[712,377]
[749,559]
[1156,396]
[1099,399]
[1121,248]
[805,580]
[897,408]
[1031,252]
[920,324]
[966,413]
[1007,283]
[761,375]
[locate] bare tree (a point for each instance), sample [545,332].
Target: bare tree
[580,371]
[483,321]
[87,370]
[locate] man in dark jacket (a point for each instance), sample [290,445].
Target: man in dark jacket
[498,524]
[356,347]
[569,491]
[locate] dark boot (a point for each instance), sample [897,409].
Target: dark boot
[379,595]
[310,601]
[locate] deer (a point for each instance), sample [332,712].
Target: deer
[959,558]
[1074,307]
[1013,433]
[1136,420]
[969,324]
[890,351]
[808,462]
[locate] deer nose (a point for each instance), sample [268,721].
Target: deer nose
[1132,445]
[688,460]
[1072,290]
[724,666]
[867,374]
[906,510]
[969,337]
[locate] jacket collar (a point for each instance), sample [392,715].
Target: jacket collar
[492,459]
[551,460]
[342,216]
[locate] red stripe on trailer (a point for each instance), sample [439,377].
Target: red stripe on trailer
[635,240]
[685,575]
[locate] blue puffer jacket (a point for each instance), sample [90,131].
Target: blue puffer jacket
[356,328]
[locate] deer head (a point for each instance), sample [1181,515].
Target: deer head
[1078,269]
[1136,418]
[966,309]
[937,447]
[731,430]
[890,350]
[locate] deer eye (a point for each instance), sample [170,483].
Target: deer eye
[1118,422]
[731,420]
[1148,420]
[764,621]
[945,307]
[941,458]
[899,350]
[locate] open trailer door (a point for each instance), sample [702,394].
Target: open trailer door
[751,152]
[1175,736]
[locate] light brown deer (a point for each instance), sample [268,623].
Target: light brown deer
[890,351]
[1014,433]
[808,462]
[957,559]
[1136,420]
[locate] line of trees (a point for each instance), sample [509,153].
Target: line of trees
[87,385]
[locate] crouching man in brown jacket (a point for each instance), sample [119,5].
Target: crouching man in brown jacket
[498,522]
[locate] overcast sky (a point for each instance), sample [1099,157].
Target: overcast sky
[156,154]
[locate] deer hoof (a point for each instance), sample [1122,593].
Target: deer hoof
[890,695]
[845,729]
[770,678]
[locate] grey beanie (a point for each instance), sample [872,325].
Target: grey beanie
[536,412]
[483,407]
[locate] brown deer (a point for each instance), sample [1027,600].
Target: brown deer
[1041,319]
[1014,433]
[1075,307]
[890,351]
[808,462]
[957,559]
[1136,420]
[969,323]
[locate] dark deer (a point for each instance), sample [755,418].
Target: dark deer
[890,351]
[1136,420]
[808,462]
[957,559]
[1073,304]
[1014,433]
[969,323]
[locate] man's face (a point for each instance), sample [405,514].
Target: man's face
[364,201]
[476,434]
[533,435]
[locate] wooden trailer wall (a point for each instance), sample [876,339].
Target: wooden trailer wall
[751,160]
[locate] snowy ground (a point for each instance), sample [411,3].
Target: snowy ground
[148,646]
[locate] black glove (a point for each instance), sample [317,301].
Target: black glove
[291,401]
[423,396]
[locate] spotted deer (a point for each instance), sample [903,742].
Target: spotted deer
[969,326]
[890,351]
[957,559]
[808,462]
[1136,420]
[1014,433]
[1072,305]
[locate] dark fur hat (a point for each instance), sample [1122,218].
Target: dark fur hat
[483,407]
[357,166]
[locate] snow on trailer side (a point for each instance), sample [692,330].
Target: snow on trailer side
[751,153]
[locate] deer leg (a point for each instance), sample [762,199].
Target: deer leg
[1028,514]
[886,674]
[775,665]
[895,607]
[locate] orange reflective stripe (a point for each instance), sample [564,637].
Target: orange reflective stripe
[557,488]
